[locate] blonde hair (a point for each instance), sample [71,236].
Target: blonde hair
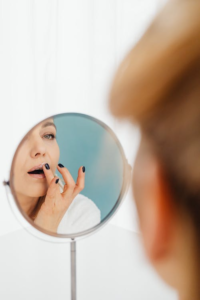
[165,53]
[158,87]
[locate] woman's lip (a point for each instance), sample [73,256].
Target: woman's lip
[40,176]
[36,167]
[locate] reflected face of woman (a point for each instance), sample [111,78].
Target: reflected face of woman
[38,147]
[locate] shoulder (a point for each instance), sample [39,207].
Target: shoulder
[81,215]
[83,207]
[83,202]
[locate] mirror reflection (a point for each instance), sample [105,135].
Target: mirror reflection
[68,173]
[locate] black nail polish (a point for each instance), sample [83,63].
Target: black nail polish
[47,166]
[57,180]
[60,165]
[83,169]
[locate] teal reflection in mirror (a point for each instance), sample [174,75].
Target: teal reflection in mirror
[68,174]
[88,143]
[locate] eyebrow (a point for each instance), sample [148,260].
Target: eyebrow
[49,124]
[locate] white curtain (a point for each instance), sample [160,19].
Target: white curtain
[60,56]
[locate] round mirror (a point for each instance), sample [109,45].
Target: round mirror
[69,175]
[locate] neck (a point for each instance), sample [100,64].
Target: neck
[192,292]
[189,264]
[190,288]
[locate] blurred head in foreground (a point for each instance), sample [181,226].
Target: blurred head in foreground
[157,87]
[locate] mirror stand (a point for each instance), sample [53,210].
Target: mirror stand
[73,269]
[87,141]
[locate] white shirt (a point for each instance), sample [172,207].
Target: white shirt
[82,214]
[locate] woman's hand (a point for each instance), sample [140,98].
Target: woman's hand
[57,203]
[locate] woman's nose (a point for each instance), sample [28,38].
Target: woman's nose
[37,148]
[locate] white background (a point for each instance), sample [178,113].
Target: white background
[60,56]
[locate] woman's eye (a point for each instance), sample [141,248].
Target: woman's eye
[50,136]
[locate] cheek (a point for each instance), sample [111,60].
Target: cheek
[57,155]
[54,152]
[136,178]
[19,175]
[20,161]
[135,185]
[138,185]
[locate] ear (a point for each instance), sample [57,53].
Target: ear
[155,209]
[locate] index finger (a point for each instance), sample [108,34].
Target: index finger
[80,183]
[48,173]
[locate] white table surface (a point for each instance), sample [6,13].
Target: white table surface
[110,265]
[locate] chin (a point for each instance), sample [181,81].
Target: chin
[39,193]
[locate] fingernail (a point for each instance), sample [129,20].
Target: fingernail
[83,169]
[47,166]
[57,180]
[60,165]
